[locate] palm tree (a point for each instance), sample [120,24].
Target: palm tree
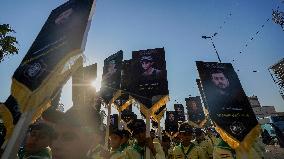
[7,42]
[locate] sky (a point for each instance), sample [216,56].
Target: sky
[176,25]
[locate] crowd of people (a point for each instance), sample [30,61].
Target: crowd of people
[77,134]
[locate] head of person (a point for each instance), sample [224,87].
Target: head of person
[77,132]
[171,117]
[146,62]
[185,133]
[115,138]
[199,134]
[138,129]
[219,79]
[126,136]
[40,135]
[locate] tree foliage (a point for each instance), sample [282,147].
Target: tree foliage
[7,42]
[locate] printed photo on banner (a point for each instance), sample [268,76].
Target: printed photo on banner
[149,75]
[179,108]
[171,123]
[54,43]
[194,109]
[111,77]
[227,102]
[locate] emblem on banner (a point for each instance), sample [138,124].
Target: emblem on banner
[33,70]
[237,127]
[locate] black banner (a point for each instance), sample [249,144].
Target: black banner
[194,109]
[149,76]
[171,123]
[61,37]
[114,121]
[111,78]
[180,112]
[228,105]
[128,115]
[13,107]
[123,101]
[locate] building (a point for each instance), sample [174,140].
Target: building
[264,111]
[277,74]
[254,102]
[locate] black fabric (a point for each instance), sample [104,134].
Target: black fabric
[111,78]
[228,107]
[194,109]
[60,35]
[148,87]
[125,84]
[179,108]
[171,123]
[13,107]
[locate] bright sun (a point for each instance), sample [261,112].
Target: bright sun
[96,84]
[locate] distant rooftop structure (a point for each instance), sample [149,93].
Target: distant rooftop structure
[254,102]
[265,111]
[277,74]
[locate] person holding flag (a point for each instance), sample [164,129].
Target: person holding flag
[187,149]
[138,149]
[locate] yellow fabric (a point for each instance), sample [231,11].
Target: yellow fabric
[125,105]
[161,102]
[207,147]
[234,143]
[252,153]
[195,153]
[158,117]
[130,153]
[40,110]
[7,119]
[28,99]
[155,107]
[116,155]
[214,139]
[203,122]
[95,153]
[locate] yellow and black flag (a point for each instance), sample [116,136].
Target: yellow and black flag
[51,59]
[149,79]
[111,78]
[124,101]
[195,111]
[228,105]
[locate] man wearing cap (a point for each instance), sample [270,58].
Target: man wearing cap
[138,149]
[78,133]
[125,139]
[38,140]
[204,142]
[186,149]
[223,150]
[116,150]
[147,63]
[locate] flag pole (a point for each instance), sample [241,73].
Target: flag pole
[108,124]
[148,133]
[18,135]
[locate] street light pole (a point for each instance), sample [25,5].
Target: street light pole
[210,37]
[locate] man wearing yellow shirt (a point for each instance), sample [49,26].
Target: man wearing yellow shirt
[223,150]
[186,149]
[204,142]
[138,149]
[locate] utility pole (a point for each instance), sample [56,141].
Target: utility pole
[210,37]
